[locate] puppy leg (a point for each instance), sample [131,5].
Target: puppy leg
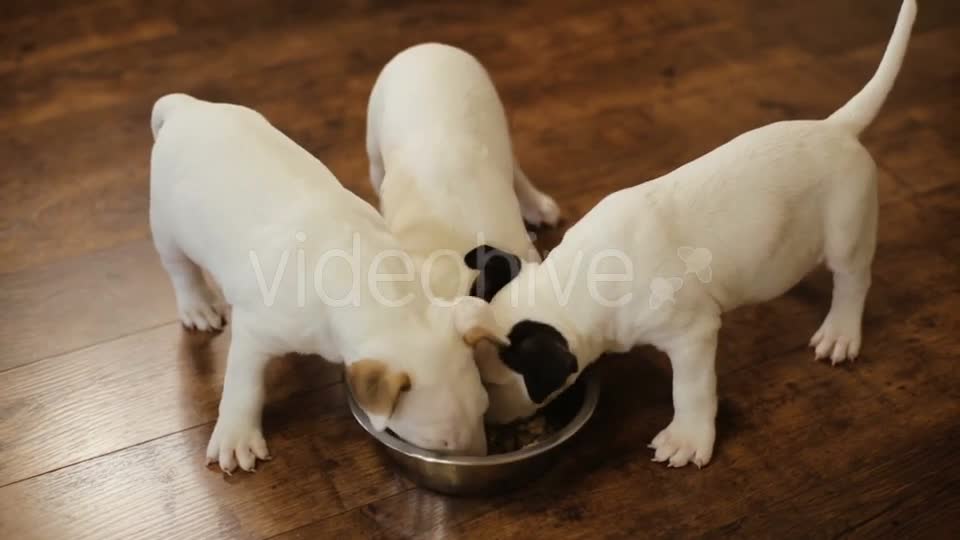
[237,438]
[197,306]
[690,436]
[850,243]
[537,207]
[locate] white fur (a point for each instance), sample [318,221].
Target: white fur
[739,225]
[231,194]
[442,162]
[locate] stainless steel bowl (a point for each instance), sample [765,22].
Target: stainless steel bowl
[458,475]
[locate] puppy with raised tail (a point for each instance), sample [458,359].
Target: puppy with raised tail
[443,165]
[660,262]
[307,267]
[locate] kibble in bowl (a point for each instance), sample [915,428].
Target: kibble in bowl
[516,435]
[517,452]
[520,434]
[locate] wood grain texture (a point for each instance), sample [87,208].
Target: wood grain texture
[106,404]
[97,297]
[161,490]
[70,408]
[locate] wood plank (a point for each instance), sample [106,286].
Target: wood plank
[936,167]
[13,10]
[213,53]
[95,401]
[61,34]
[94,298]
[880,489]
[626,141]
[940,211]
[403,515]
[160,489]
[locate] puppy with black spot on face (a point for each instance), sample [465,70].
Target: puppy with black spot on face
[442,163]
[536,360]
[659,263]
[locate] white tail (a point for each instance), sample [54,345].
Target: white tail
[163,107]
[860,111]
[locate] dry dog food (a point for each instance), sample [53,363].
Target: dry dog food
[516,435]
[522,433]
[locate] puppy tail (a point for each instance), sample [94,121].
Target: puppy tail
[162,109]
[860,111]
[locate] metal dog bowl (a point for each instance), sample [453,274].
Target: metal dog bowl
[463,475]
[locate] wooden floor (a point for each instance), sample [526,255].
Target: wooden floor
[106,404]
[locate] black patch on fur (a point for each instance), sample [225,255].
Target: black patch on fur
[541,354]
[496,267]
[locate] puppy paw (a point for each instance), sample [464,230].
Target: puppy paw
[236,443]
[685,441]
[837,339]
[542,210]
[200,314]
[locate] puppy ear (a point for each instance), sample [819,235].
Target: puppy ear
[491,366]
[473,259]
[496,267]
[376,389]
[545,376]
[474,321]
[541,354]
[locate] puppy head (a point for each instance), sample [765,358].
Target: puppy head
[534,363]
[430,392]
[528,373]
[377,388]
[540,354]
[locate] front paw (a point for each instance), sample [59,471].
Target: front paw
[685,441]
[236,442]
[198,313]
[838,338]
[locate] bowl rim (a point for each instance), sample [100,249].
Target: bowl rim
[590,398]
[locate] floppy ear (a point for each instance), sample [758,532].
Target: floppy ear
[376,389]
[546,376]
[475,323]
[541,354]
[490,365]
[496,267]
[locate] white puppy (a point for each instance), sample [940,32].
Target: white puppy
[302,262]
[660,262]
[442,163]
